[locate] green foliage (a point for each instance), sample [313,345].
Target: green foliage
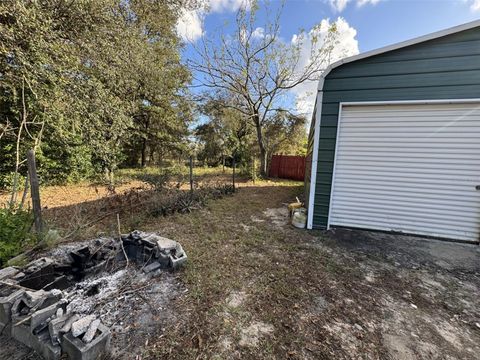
[285,133]
[91,84]
[15,225]
[228,131]
[225,133]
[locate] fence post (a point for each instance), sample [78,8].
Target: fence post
[233,172]
[191,173]
[254,169]
[35,191]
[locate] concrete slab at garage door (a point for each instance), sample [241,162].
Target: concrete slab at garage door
[410,168]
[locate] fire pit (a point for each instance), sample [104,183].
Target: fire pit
[62,304]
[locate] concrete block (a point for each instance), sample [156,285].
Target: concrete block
[8,273]
[163,259]
[76,349]
[55,327]
[177,262]
[152,267]
[165,244]
[178,258]
[40,343]
[91,331]
[68,324]
[19,276]
[40,316]
[31,301]
[6,304]
[80,326]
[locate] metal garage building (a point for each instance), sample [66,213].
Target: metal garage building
[395,139]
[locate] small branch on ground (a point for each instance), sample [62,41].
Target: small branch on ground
[120,239]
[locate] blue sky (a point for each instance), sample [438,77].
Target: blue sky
[378,23]
[367,24]
[385,22]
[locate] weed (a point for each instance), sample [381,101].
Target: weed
[15,224]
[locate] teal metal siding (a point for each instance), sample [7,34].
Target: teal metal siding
[443,68]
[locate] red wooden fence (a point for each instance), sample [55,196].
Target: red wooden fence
[287,167]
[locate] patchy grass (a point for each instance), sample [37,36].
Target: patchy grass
[127,179]
[88,210]
[229,253]
[300,297]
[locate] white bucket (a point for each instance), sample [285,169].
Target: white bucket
[299,218]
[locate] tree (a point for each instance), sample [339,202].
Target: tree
[86,79]
[227,132]
[162,109]
[256,69]
[285,133]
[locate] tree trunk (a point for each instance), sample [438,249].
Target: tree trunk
[263,161]
[144,143]
[261,146]
[144,153]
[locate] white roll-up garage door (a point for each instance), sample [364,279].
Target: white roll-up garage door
[412,168]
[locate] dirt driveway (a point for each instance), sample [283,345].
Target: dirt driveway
[257,288]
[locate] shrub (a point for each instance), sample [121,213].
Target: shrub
[15,224]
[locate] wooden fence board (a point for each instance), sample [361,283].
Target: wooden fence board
[287,167]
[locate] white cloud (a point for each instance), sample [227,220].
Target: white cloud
[220,6]
[347,46]
[475,5]
[366,2]
[340,5]
[258,33]
[190,24]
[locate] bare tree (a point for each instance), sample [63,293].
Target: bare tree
[256,69]
[23,127]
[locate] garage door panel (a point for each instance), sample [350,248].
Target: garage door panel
[413,200]
[409,168]
[446,180]
[421,188]
[412,153]
[404,219]
[366,135]
[426,110]
[407,164]
[432,143]
[399,122]
[455,210]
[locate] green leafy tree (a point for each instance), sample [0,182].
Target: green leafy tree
[83,80]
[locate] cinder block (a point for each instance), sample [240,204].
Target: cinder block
[177,262]
[6,304]
[152,267]
[8,272]
[55,326]
[76,349]
[40,316]
[40,343]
